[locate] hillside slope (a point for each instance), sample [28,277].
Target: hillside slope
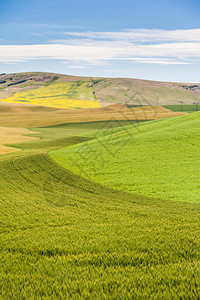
[157,158]
[104,91]
[65,237]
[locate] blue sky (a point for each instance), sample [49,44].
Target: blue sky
[157,40]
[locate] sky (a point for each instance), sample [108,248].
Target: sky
[156,40]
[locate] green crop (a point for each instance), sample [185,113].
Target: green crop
[68,238]
[157,158]
[189,108]
[65,237]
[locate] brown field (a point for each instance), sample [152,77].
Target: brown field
[13,135]
[25,116]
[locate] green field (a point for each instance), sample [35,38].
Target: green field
[189,108]
[157,158]
[66,237]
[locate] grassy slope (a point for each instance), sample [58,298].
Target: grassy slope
[189,108]
[136,91]
[65,237]
[157,158]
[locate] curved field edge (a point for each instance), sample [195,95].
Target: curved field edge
[62,135]
[65,236]
[156,158]
[11,135]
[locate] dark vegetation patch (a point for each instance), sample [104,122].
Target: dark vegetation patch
[190,87]
[17,82]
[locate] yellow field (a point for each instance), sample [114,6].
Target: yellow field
[13,135]
[61,95]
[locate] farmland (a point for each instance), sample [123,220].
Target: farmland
[59,95]
[65,237]
[13,135]
[158,159]
[128,230]
[40,116]
[189,108]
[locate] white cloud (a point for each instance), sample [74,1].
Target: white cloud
[143,35]
[103,48]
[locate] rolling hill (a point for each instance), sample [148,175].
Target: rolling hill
[14,115]
[63,236]
[157,158]
[67,237]
[58,90]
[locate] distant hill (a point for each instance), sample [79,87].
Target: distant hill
[15,88]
